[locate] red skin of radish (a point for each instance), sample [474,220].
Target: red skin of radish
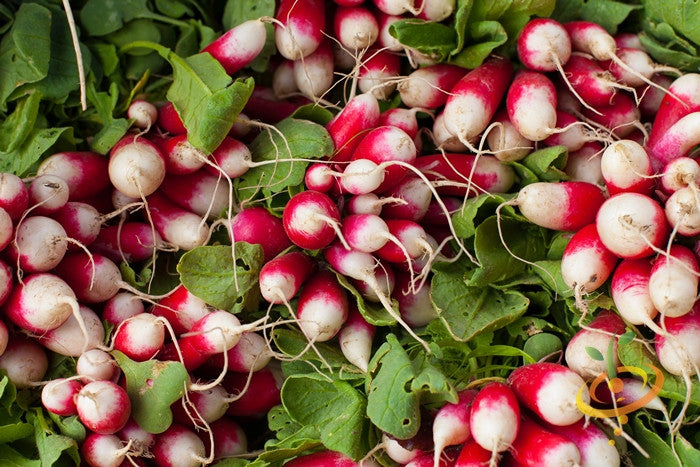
[120,307]
[302,224]
[592,442]
[348,127]
[531,101]
[576,355]
[24,361]
[620,115]
[323,307]
[590,80]
[560,205]
[216,332]
[14,195]
[264,105]
[229,438]
[379,72]
[232,157]
[684,330]
[281,278]
[251,353]
[416,309]
[679,140]
[178,446]
[319,178]
[85,172]
[483,87]
[428,87]
[451,423]
[58,396]
[140,337]
[435,215]
[178,226]
[399,117]
[626,167]
[169,120]
[494,418]
[200,192]
[256,225]
[80,220]
[90,285]
[322,459]
[301,28]
[355,27]
[549,390]
[628,39]
[586,262]
[630,290]
[4,336]
[540,40]
[181,309]
[7,281]
[472,455]
[103,407]
[262,394]
[47,194]
[103,450]
[535,447]
[417,195]
[650,102]
[687,89]
[39,244]
[180,156]
[574,138]
[130,242]
[405,231]
[489,175]
[239,46]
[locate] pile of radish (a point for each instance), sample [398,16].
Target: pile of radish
[334,278]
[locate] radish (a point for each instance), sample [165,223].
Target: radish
[415,305]
[41,302]
[355,339]
[6,281]
[181,309]
[412,242]
[229,439]
[465,174]
[428,87]
[239,46]
[313,74]
[355,27]
[47,194]
[251,353]
[40,243]
[142,114]
[384,39]
[475,98]
[7,231]
[625,166]
[203,406]
[444,139]
[94,278]
[319,177]
[281,277]
[590,81]
[593,444]
[631,225]
[300,28]
[401,118]
[179,446]
[81,221]
[396,7]
[410,199]
[630,291]
[322,308]
[386,280]
[200,192]
[4,336]
[549,390]
[85,329]
[621,115]
[584,165]
[231,157]
[14,195]
[97,365]
[184,229]
[576,134]
[543,45]
[680,173]
[682,211]
[262,393]
[378,73]
[435,10]
[322,459]
[436,215]
[180,156]
[283,82]
[504,140]
[560,205]
[136,167]
[687,90]
[256,225]
[85,172]
[57,396]
[140,337]
[103,407]
[651,99]
[217,332]
[494,418]
[366,232]
[596,335]
[264,105]
[360,114]
[103,450]
[628,39]
[311,220]
[121,306]
[169,120]
[673,282]
[472,455]
[451,423]
[536,447]
[129,242]
[362,176]
[531,101]
[586,264]
[678,141]
[679,352]
[141,440]
[637,67]
[370,203]
[24,361]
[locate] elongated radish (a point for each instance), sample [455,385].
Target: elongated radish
[283,82]
[313,74]
[311,219]
[132,241]
[181,309]
[386,280]
[322,308]
[77,334]
[673,282]
[80,220]
[136,167]
[386,144]
[48,193]
[229,439]
[57,396]
[24,361]
[596,335]
[475,98]
[362,176]
[360,114]
[355,27]
[180,446]
[217,332]
[536,446]
[251,353]
[640,67]
[650,103]
[184,229]
[494,418]
[239,46]
[202,193]
[411,199]
[300,28]
[281,278]
[630,291]
[85,172]
[262,393]
[415,305]
[462,174]
[355,339]
[231,157]
[586,263]
[631,225]
[378,73]
[678,141]
[531,101]
[687,89]
[181,157]
[412,241]
[590,81]
[679,353]
[366,232]
[444,139]
[427,87]
[593,444]
[94,278]
[40,303]
[626,166]
[169,120]
[621,115]
[140,337]
[321,459]
[560,206]
[451,423]
[103,407]
[256,225]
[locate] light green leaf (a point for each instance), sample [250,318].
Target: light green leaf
[682,15]
[14,431]
[152,386]
[607,13]
[209,272]
[660,453]
[485,37]
[431,38]
[51,446]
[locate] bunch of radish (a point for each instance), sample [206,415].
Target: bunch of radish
[376,214]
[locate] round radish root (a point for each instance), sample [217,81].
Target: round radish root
[597,336]
[58,396]
[24,361]
[451,423]
[40,243]
[679,353]
[682,211]
[178,446]
[48,193]
[78,334]
[322,308]
[140,337]
[96,365]
[311,220]
[673,282]
[142,113]
[544,45]
[136,167]
[103,450]
[103,407]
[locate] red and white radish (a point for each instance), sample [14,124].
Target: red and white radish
[586,264]
[322,308]
[311,220]
[136,167]
[282,277]
[239,46]
[103,407]
[494,418]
